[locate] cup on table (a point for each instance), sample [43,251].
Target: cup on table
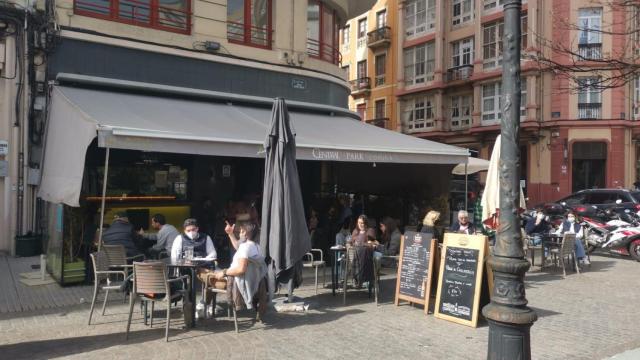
[188,253]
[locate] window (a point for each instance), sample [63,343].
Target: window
[462,11]
[462,52]
[381,64]
[362,69]
[346,37]
[169,15]
[589,98]
[590,41]
[362,32]
[461,108]
[322,32]
[419,64]
[249,22]
[381,19]
[492,102]
[492,42]
[346,71]
[380,106]
[490,5]
[589,23]
[636,98]
[419,113]
[419,16]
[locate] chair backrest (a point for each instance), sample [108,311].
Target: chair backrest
[100,263]
[116,254]
[568,244]
[150,278]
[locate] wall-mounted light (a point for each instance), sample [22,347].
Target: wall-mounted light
[565,149]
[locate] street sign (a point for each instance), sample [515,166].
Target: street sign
[299,84]
[4,147]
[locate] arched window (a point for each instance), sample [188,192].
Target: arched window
[322,32]
[249,22]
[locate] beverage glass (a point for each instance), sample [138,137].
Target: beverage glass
[188,253]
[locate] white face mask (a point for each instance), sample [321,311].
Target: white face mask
[571,220]
[243,238]
[192,234]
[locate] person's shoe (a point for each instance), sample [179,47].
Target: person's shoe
[200,310]
[585,261]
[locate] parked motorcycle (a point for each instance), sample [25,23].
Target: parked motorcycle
[613,230]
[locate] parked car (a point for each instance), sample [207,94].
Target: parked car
[585,200]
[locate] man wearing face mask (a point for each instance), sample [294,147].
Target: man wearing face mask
[201,242]
[572,227]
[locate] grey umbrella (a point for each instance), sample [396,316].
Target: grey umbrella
[284,236]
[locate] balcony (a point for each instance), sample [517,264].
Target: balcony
[239,33]
[323,51]
[380,37]
[589,51]
[360,86]
[460,123]
[589,111]
[457,73]
[379,122]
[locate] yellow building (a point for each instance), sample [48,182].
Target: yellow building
[369,56]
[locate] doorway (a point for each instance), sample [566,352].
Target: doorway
[589,165]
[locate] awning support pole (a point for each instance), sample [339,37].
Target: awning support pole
[466,186]
[104,193]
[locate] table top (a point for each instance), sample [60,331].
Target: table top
[182,263]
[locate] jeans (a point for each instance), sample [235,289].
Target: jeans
[580,253]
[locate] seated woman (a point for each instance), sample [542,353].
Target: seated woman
[390,238]
[363,239]
[570,226]
[244,277]
[428,225]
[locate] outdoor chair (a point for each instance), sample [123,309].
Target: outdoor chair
[376,274]
[311,261]
[103,279]
[215,291]
[150,284]
[530,249]
[566,251]
[349,258]
[117,257]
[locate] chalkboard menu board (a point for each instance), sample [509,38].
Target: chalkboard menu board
[415,268]
[460,278]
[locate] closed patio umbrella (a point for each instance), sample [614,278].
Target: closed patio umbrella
[491,195]
[284,236]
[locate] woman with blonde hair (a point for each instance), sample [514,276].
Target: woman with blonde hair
[428,225]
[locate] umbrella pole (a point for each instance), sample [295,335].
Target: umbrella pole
[466,187]
[104,192]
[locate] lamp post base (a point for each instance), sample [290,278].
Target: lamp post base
[509,341]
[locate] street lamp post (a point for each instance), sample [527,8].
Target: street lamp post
[509,317]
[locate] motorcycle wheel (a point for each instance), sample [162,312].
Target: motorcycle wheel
[634,249]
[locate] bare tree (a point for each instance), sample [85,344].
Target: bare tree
[574,61]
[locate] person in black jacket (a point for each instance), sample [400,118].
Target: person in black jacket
[121,232]
[537,227]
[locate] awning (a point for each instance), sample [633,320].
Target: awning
[473,166]
[133,121]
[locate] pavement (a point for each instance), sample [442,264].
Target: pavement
[585,316]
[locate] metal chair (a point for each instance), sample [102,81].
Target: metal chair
[215,291]
[118,260]
[566,251]
[311,262]
[349,258]
[150,284]
[103,281]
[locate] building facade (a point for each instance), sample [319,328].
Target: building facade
[368,44]
[260,48]
[574,135]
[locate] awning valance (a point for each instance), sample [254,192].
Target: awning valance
[197,126]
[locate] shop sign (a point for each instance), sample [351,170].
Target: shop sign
[346,155]
[4,147]
[299,84]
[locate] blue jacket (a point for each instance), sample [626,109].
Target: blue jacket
[531,227]
[567,225]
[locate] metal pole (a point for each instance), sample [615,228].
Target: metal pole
[509,318]
[466,185]
[104,193]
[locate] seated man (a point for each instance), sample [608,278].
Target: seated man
[463,226]
[200,242]
[537,227]
[121,232]
[570,226]
[163,239]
